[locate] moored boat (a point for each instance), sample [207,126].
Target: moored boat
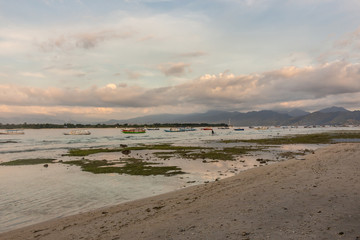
[78,132]
[174,130]
[133,130]
[188,129]
[12,132]
[261,128]
[239,129]
[207,128]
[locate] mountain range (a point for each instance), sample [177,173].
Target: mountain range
[327,116]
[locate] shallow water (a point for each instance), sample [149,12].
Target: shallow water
[31,194]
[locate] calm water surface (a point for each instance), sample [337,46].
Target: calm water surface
[32,194]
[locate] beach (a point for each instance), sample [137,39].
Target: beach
[314,198]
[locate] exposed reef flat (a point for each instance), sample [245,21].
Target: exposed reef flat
[314,198]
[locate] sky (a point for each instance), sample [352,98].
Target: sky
[118,59]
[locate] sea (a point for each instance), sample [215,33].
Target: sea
[31,194]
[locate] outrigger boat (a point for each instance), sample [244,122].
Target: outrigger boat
[12,132]
[78,132]
[188,129]
[133,130]
[175,130]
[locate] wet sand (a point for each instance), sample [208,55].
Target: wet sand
[315,198]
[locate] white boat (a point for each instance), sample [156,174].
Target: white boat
[78,132]
[175,130]
[188,129]
[12,132]
[226,127]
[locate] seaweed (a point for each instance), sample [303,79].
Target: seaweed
[315,138]
[226,154]
[34,161]
[132,166]
[86,152]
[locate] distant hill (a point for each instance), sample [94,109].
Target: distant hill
[294,112]
[333,110]
[255,118]
[326,116]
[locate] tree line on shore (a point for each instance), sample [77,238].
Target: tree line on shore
[77,125]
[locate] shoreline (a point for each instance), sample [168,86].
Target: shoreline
[295,199]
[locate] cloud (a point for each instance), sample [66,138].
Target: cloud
[345,48]
[332,83]
[348,40]
[133,75]
[174,69]
[66,70]
[83,40]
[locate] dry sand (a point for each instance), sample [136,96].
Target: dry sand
[315,198]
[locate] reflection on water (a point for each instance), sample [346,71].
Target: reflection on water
[31,194]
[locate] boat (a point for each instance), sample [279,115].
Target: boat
[226,127]
[261,128]
[78,132]
[207,128]
[239,129]
[152,129]
[174,130]
[133,130]
[188,129]
[12,132]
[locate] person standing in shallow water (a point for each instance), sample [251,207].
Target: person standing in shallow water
[212,132]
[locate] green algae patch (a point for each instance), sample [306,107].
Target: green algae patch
[214,155]
[164,155]
[226,154]
[35,161]
[86,152]
[167,147]
[130,166]
[315,138]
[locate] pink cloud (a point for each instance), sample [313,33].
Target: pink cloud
[174,69]
[338,81]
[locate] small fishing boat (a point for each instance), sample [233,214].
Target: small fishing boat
[12,132]
[226,127]
[152,129]
[188,129]
[78,132]
[261,128]
[174,130]
[207,128]
[239,129]
[133,130]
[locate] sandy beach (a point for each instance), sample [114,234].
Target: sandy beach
[314,198]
